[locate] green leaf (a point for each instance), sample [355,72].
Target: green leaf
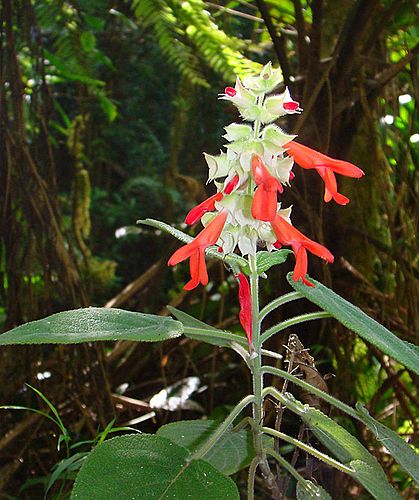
[66,465]
[357,321]
[308,490]
[88,41]
[108,107]
[265,260]
[348,450]
[148,467]
[234,261]
[232,452]
[91,324]
[404,454]
[197,330]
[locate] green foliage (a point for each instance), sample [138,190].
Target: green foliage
[186,30]
[356,320]
[348,450]
[231,453]
[93,324]
[148,467]
[198,330]
[405,455]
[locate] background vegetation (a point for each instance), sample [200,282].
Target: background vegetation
[106,107]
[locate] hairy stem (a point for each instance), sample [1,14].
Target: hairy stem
[212,440]
[293,321]
[311,388]
[309,449]
[284,299]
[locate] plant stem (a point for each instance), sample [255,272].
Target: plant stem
[257,375]
[284,299]
[293,321]
[215,436]
[311,388]
[257,378]
[290,469]
[214,334]
[251,478]
[316,453]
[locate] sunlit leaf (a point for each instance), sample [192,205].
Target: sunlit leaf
[92,324]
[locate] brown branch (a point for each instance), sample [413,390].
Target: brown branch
[277,40]
[301,40]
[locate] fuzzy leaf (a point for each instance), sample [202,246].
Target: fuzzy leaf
[231,453]
[357,321]
[404,454]
[145,466]
[92,324]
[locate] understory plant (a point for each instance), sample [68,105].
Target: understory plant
[250,232]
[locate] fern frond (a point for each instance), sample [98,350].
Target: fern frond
[188,35]
[158,15]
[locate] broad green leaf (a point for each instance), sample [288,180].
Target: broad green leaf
[198,330]
[356,320]
[347,449]
[234,261]
[232,452]
[148,467]
[404,454]
[91,324]
[309,490]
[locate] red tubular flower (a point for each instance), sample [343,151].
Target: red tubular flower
[245,300]
[207,205]
[231,185]
[264,201]
[326,167]
[195,251]
[289,235]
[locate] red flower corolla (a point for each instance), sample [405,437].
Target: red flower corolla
[207,205]
[264,201]
[231,186]
[245,300]
[195,251]
[326,167]
[289,235]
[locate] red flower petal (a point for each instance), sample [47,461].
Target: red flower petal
[231,185]
[207,205]
[289,235]
[291,106]
[310,158]
[264,204]
[245,301]
[195,251]
[264,201]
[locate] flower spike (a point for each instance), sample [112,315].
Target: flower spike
[326,167]
[195,251]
